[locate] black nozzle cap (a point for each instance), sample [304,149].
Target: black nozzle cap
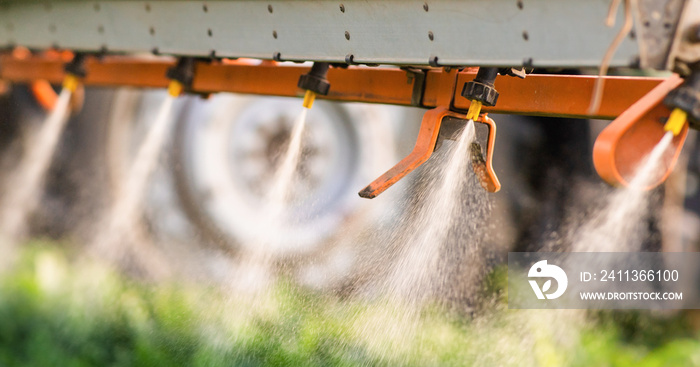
[687,98]
[481,88]
[76,66]
[486,94]
[315,80]
[183,71]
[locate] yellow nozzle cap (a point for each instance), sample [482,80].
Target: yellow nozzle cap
[474,110]
[175,88]
[309,98]
[71,82]
[676,121]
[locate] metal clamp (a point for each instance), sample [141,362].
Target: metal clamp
[431,129]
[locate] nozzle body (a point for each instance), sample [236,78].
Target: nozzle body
[182,72]
[75,70]
[481,91]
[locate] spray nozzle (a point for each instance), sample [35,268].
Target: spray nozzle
[481,91]
[315,82]
[684,102]
[181,76]
[75,70]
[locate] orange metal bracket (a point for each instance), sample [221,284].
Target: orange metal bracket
[44,94]
[483,166]
[424,148]
[47,97]
[425,145]
[623,144]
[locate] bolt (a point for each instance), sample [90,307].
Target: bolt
[433,61]
[342,8]
[274,34]
[425,6]
[430,35]
[350,59]
[269,9]
[347,35]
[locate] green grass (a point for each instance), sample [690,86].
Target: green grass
[60,312]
